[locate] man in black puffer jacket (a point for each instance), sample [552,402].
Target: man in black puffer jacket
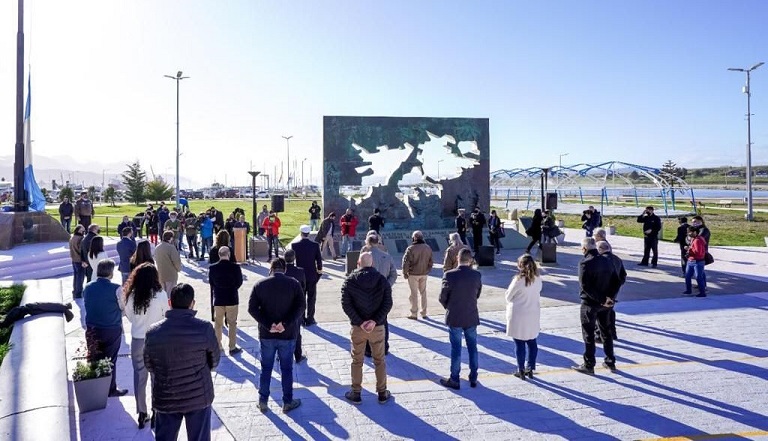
[180,352]
[366,298]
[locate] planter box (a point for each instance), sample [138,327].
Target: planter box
[610,229]
[92,394]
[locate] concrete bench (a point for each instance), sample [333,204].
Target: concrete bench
[725,203]
[34,404]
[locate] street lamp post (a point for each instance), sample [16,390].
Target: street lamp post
[20,198]
[178,78]
[560,170]
[254,227]
[746,90]
[288,144]
[438,169]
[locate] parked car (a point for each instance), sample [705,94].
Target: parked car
[262,195]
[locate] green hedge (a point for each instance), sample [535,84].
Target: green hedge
[10,297]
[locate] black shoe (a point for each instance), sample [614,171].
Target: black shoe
[353,397]
[472,383]
[118,392]
[687,294]
[263,407]
[520,375]
[287,407]
[143,418]
[642,264]
[701,295]
[310,322]
[384,396]
[529,372]
[584,369]
[653,265]
[447,382]
[610,366]
[301,359]
[235,351]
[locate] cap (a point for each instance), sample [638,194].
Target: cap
[305,229]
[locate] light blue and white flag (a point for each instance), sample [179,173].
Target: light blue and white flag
[36,198]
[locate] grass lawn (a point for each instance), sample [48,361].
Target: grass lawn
[10,297]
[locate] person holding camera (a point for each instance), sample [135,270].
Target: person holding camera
[651,227]
[591,219]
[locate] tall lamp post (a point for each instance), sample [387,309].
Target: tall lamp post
[254,227]
[288,144]
[560,170]
[746,90]
[20,199]
[178,78]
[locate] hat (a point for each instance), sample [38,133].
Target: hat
[305,229]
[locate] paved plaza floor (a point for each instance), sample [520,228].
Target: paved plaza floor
[689,368]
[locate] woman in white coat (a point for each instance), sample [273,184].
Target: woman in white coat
[524,313]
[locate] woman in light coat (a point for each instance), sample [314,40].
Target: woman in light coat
[96,252]
[451,259]
[524,313]
[145,304]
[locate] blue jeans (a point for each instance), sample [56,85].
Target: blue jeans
[314,224]
[695,268]
[274,244]
[198,424]
[284,350]
[533,350]
[67,224]
[470,335]
[346,244]
[206,243]
[77,281]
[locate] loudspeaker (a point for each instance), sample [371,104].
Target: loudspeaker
[549,252]
[551,203]
[485,255]
[278,203]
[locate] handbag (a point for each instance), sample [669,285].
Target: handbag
[708,259]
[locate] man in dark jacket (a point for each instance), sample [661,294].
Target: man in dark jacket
[84,209]
[180,352]
[325,235]
[461,226]
[375,222]
[66,210]
[103,320]
[125,249]
[366,298]
[477,221]
[651,227]
[225,278]
[598,281]
[461,289]
[604,249]
[291,270]
[682,240]
[85,247]
[277,304]
[314,215]
[309,258]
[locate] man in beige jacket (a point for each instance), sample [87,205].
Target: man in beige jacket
[417,263]
[168,261]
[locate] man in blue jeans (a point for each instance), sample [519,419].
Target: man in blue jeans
[277,303]
[461,289]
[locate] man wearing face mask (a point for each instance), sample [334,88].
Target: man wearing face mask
[271,226]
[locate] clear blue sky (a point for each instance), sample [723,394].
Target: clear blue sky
[640,82]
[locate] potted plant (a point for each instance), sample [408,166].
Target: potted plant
[92,380]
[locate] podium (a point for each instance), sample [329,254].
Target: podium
[240,244]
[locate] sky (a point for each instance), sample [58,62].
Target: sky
[595,81]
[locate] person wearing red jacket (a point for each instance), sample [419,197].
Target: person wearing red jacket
[271,226]
[348,225]
[695,265]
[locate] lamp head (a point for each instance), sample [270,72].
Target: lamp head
[178,74]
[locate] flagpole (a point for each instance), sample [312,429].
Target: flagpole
[19,195]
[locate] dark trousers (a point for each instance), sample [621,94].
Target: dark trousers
[533,351]
[85,221]
[463,236]
[192,243]
[495,241]
[611,325]
[77,281]
[592,316]
[297,352]
[386,341]
[650,243]
[683,257]
[274,243]
[88,273]
[477,238]
[311,300]
[198,423]
[534,240]
[104,343]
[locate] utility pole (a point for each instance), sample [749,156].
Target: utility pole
[20,199]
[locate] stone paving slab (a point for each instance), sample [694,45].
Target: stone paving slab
[689,372]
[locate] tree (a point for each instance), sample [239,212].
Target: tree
[158,190]
[672,168]
[92,193]
[67,192]
[109,195]
[135,180]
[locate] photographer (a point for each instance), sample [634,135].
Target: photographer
[591,219]
[651,227]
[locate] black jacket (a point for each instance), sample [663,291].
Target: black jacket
[85,246]
[650,222]
[375,222]
[682,236]
[180,352]
[597,278]
[461,289]
[225,278]
[314,211]
[66,209]
[325,226]
[534,231]
[461,224]
[297,273]
[618,266]
[477,220]
[309,258]
[277,299]
[366,295]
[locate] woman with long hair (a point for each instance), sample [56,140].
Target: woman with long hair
[77,261]
[222,240]
[524,314]
[145,304]
[534,231]
[96,252]
[143,254]
[451,259]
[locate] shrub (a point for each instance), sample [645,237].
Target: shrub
[90,370]
[10,297]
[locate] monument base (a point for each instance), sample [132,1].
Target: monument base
[18,228]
